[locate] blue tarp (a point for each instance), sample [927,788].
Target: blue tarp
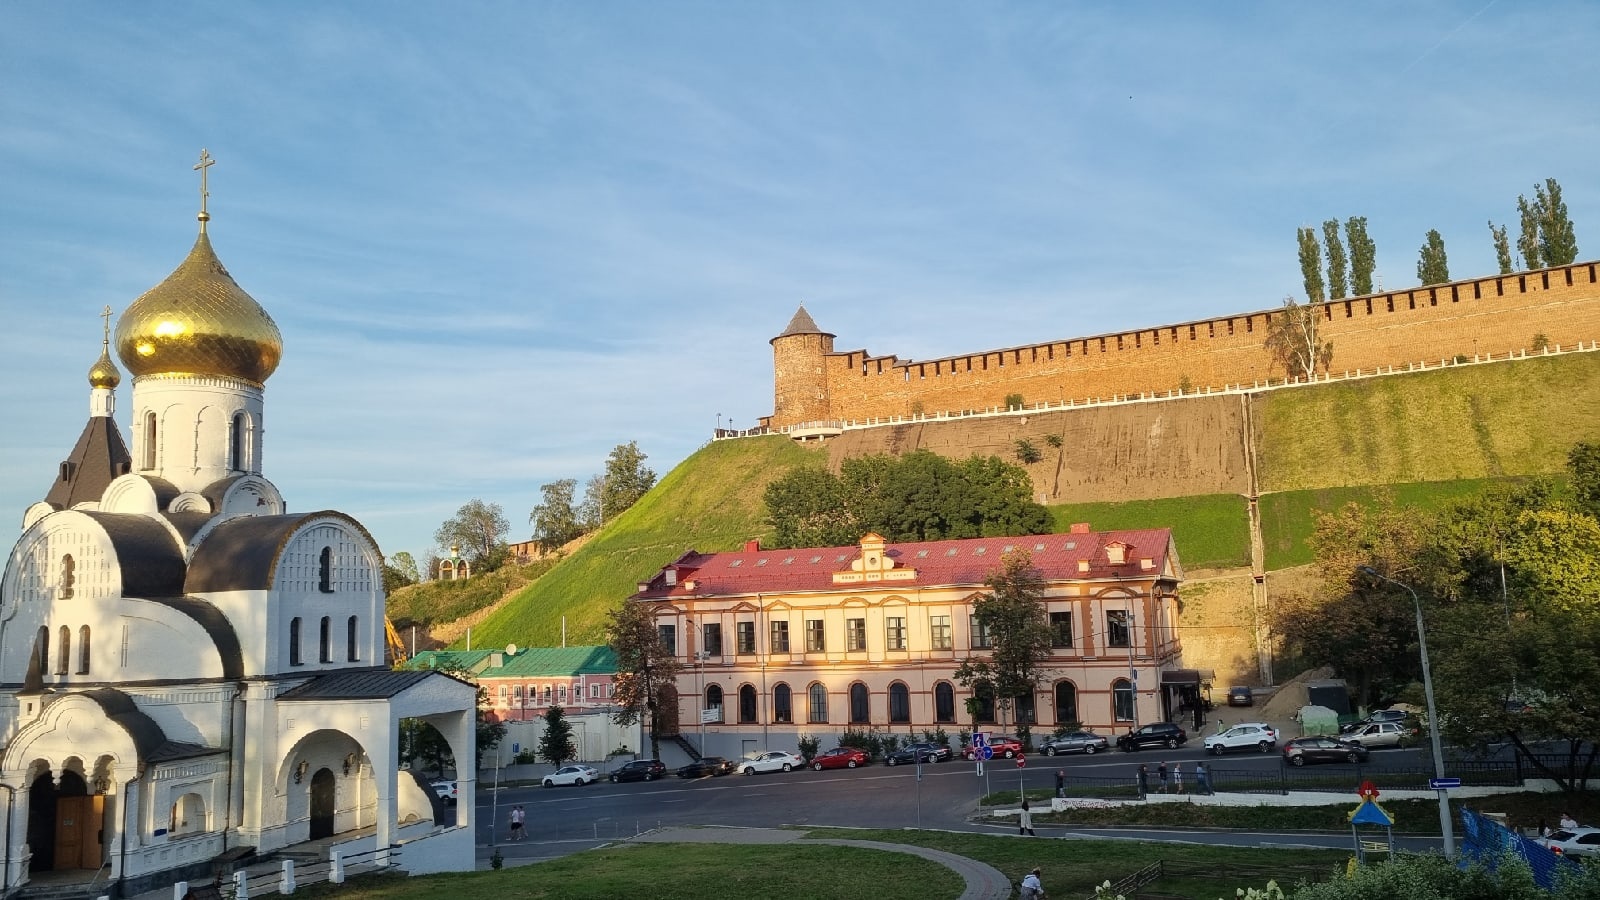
[1486,841]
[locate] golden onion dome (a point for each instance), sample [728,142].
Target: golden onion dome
[104,373]
[199,322]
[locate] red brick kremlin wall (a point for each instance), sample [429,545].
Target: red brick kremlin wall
[1480,316]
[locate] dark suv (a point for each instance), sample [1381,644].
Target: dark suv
[640,770]
[1156,734]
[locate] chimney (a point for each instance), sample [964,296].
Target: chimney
[1079,528]
[752,546]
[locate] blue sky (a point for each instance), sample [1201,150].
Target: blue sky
[501,238]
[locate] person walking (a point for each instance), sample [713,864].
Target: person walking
[1025,820]
[1202,779]
[1144,781]
[1161,776]
[518,817]
[1032,887]
[1061,782]
[1177,778]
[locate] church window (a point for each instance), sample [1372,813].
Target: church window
[83,650]
[149,440]
[124,652]
[43,641]
[325,571]
[294,641]
[64,653]
[68,576]
[236,443]
[324,650]
[350,640]
[188,815]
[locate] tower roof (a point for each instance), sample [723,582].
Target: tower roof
[98,459]
[802,323]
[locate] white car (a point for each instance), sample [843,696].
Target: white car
[1244,736]
[771,761]
[572,775]
[1574,841]
[446,791]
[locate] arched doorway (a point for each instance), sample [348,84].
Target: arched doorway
[64,823]
[322,804]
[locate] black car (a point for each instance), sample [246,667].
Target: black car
[1304,750]
[1156,734]
[706,765]
[911,754]
[640,770]
[1241,696]
[1074,742]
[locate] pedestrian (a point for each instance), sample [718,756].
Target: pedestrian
[1144,780]
[1025,820]
[1567,822]
[1544,829]
[1161,776]
[1177,778]
[1061,782]
[1032,887]
[1202,779]
[517,818]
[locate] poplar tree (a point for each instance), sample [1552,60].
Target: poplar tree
[1502,247]
[1528,240]
[1338,284]
[1558,243]
[1311,265]
[1432,266]
[1363,255]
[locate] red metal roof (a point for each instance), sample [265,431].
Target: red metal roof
[963,562]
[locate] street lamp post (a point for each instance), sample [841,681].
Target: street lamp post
[1133,675]
[1445,824]
[700,657]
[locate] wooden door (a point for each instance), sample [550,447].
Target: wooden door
[72,816]
[94,824]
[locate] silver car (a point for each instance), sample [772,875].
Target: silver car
[1075,742]
[1381,734]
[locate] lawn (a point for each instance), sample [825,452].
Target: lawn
[1212,531]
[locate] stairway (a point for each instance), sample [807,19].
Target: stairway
[688,748]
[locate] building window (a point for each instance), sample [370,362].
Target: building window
[350,640]
[236,443]
[747,705]
[516,693]
[594,692]
[149,440]
[325,571]
[814,636]
[711,639]
[83,650]
[1117,630]
[324,642]
[549,695]
[855,634]
[1061,630]
[1122,700]
[714,700]
[294,641]
[979,633]
[944,702]
[502,692]
[69,576]
[746,634]
[561,695]
[43,642]
[1027,713]
[894,632]
[860,708]
[782,704]
[780,637]
[899,703]
[669,638]
[818,702]
[939,632]
[983,700]
[1066,702]
[64,652]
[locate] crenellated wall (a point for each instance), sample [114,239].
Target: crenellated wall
[1484,315]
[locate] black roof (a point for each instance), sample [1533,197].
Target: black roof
[241,554]
[217,626]
[148,738]
[98,458]
[151,561]
[187,524]
[365,684]
[216,490]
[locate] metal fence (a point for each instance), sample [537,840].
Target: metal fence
[1287,779]
[291,874]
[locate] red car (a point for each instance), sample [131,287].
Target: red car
[1004,745]
[840,758]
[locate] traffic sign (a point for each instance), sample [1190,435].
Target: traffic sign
[1022,762]
[986,752]
[1440,784]
[980,739]
[516,748]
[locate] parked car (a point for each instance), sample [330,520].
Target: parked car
[1304,750]
[446,791]
[1574,841]
[1156,734]
[1075,742]
[840,758]
[706,765]
[770,761]
[639,770]
[1381,734]
[1004,746]
[1244,736]
[1380,715]
[1240,695]
[575,774]
[911,754]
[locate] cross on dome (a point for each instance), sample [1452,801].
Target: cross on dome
[206,162]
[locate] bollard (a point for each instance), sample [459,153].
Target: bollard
[335,866]
[286,886]
[180,890]
[241,885]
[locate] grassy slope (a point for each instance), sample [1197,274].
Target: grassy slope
[711,501]
[436,601]
[1212,531]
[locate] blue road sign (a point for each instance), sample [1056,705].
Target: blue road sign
[986,752]
[516,748]
[1440,784]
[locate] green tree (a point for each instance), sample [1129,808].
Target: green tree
[1583,466]
[1432,265]
[1027,453]
[554,520]
[1293,339]
[1502,247]
[1311,265]
[399,570]
[479,529]
[807,508]
[1528,237]
[644,666]
[1013,614]
[1545,225]
[555,745]
[420,741]
[1363,255]
[626,479]
[1338,283]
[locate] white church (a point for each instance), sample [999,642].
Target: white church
[188,670]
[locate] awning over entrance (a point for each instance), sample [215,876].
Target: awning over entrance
[1181,676]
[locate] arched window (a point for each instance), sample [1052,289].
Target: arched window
[714,700]
[782,704]
[1122,700]
[1025,707]
[188,815]
[69,576]
[294,641]
[944,702]
[324,642]
[149,440]
[747,704]
[860,710]
[64,652]
[1066,702]
[549,695]
[817,714]
[325,571]
[236,443]
[561,695]
[899,703]
[83,650]
[350,640]
[43,642]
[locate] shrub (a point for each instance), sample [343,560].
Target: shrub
[1541,341]
[809,746]
[1054,440]
[1027,453]
[936,736]
[1013,401]
[867,740]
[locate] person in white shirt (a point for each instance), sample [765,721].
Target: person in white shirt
[1568,822]
[1032,888]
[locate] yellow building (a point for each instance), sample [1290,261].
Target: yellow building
[777,644]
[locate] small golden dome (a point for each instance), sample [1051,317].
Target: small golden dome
[104,373]
[199,322]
